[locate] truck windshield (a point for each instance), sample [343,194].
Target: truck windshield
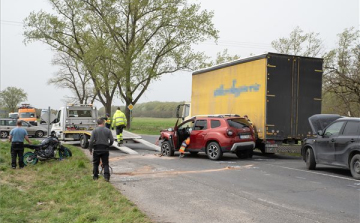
[238,123]
[27,115]
[79,113]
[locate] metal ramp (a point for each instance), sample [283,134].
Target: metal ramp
[129,136]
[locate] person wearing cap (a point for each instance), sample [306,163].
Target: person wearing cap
[119,122]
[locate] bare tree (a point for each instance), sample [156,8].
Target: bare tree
[74,76]
[299,43]
[342,73]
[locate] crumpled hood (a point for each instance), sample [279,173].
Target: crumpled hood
[320,121]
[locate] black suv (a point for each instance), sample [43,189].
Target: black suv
[338,144]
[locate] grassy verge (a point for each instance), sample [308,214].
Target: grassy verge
[60,191]
[151,126]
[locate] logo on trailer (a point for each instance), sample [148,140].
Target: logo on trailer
[236,91]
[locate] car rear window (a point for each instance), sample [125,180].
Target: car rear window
[237,123]
[351,128]
[215,123]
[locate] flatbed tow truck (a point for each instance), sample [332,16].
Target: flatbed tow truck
[74,124]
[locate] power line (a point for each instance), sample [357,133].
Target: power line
[11,23]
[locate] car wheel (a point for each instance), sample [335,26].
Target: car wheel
[4,134]
[310,159]
[213,151]
[84,141]
[355,166]
[39,134]
[166,149]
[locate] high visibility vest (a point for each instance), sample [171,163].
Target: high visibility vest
[108,121]
[119,118]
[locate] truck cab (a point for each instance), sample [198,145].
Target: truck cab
[75,122]
[28,114]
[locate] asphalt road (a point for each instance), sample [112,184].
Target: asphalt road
[269,189]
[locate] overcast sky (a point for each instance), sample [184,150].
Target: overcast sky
[246,27]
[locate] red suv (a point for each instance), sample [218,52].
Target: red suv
[213,135]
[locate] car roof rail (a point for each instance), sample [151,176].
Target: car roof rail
[218,115]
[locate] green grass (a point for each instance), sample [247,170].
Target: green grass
[151,126]
[60,191]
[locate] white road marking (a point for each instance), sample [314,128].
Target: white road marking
[307,171]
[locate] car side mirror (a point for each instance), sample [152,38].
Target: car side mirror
[320,132]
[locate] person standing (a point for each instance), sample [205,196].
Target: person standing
[16,137]
[119,122]
[100,141]
[107,121]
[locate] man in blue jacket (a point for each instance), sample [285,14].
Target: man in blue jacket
[16,137]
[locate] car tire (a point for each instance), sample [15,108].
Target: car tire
[355,166]
[4,134]
[84,141]
[39,134]
[310,159]
[213,151]
[166,149]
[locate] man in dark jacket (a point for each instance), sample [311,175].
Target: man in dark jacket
[100,141]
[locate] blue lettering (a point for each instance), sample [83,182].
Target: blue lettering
[236,91]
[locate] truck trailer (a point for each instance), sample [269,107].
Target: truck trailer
[277,92]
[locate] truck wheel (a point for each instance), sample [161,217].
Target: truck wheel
[355,166]
[84,141]
[4,134]
[213,151]
[310,159]
[166,149]
[39,134]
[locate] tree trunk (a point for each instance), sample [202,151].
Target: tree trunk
[128,118]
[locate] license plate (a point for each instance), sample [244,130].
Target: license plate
[244,136]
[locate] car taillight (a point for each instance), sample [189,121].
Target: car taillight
[230,132]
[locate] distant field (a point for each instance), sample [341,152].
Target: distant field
[151,126]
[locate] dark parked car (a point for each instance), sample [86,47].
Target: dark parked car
[337,143]
[6,124]
[213,135]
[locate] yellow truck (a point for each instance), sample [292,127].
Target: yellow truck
[277,92]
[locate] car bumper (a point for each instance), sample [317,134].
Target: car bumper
[242,146]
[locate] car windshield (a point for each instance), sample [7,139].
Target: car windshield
[27,115]
[238,123]
[13,116]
